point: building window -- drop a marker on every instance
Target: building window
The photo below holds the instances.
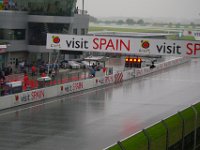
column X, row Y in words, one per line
column 12, row 34
column 82, row 31
column 48, row 7
column 75, row 31
column 37, row 33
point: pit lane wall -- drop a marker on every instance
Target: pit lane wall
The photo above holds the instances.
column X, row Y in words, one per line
column 160, row 66
column 18, row 99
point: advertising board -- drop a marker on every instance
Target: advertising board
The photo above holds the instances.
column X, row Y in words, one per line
column 196, row 34
column 3, row 46
column 123, row 45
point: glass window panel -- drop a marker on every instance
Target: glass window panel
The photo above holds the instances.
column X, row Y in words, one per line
column 12, row 34
column 48, row 7
column 38, row 31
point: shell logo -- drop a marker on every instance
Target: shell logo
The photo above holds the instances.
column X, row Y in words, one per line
column 56, row 39
column 145, row 44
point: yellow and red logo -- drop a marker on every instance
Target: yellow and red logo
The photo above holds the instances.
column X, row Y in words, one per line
column 145, row 44
column 56, row 39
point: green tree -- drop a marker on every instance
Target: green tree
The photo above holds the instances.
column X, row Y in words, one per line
column 120, row 22
column 108, row 22
column 140, row 21
column 130, row 21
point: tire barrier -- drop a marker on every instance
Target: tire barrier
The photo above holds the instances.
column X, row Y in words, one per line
column 178, row 132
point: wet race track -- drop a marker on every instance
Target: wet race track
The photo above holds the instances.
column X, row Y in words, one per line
column 97, row 118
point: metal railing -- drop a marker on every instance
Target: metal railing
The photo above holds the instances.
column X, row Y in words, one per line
column 34, row 83
column 178, row 132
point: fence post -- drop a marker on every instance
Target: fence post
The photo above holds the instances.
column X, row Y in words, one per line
column 43, row 82
column 183, row 130
column 68, row 78
column 120, row 145
column 148, row 138
column 167, row 134
column 79, row 76
column 195, row 126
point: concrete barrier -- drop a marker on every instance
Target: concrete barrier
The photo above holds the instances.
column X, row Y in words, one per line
column 63, row 89
column 173, row 62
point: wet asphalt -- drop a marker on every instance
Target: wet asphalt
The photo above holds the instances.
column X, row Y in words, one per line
column 96, row 118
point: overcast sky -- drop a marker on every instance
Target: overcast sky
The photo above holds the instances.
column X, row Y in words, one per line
column 142, row 8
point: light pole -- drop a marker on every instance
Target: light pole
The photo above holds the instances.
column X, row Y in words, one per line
column 83, row 7
column 3, row 48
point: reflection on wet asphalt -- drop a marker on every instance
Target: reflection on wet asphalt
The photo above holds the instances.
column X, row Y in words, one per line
column 97, row 118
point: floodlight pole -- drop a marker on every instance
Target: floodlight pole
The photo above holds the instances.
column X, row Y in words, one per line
column 83, row 7
column 48, row 69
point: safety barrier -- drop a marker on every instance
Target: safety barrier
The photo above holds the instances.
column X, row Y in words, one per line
column 178, row 132
column 160, row 66
column 63, row 85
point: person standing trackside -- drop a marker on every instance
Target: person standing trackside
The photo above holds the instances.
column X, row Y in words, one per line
column 16, row 63
column 33, row 70
column 43, row 74
column 26, row 80
column 2, row 82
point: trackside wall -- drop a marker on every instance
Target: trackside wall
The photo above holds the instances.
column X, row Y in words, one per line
column 63, row 89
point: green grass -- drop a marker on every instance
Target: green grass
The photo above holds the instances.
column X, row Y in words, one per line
column 136, row 142
column 188, row 38
column 197, row 107
column 174, row 124
column 157, row 135
column 189, row 117
column 116, row 29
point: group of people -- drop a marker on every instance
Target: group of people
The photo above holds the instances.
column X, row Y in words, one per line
column 27, row 70
column 95, row 68
column 33, row 73
column 42, row 70
column 3, row 73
